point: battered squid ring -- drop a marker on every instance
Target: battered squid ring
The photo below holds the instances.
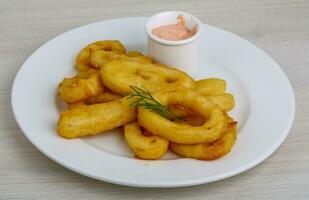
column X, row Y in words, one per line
column 76, row 104
column 210, row 86
column 190, row 117
column 225, row 101
column 214, row 90
column 208, row 151
column 80, row 87
column 211, row 130
column 104, row 97
column 145, row 147
column 120, row 75
column 83, row 58
column 134, row 54
column 100, row 57
column 87, row 120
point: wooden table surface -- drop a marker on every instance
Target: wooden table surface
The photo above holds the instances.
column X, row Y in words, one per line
column 281, row 28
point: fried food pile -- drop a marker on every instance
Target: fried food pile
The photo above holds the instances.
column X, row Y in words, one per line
column 159, row 107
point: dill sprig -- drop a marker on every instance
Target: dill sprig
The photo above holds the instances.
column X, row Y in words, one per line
column 143, row 98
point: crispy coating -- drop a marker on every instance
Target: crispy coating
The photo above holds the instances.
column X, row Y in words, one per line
column 120, row 75
column 208, row 151
column 76, row 104
column 106, row 96
column 214, row 90
column 211, row 130
column 80, row 87
column 191, row 118
column 100, row 57
column 83, row 58
column 225, row 101
column 134, row 54
column 94, row 119
column 142, row 59
column 145, row 147
column 210, row 86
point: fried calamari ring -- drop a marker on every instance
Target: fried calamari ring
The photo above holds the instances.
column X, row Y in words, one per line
column 188, row 115
column 138, row 56
column 211, row 130
column 80, row 87
column 106, row 96
column 134, row 54
column 100, row 57
column 120, row 75
column 94, row 119
column 145, row 147
column 223, row 101
column 208, row 151
column 214, row 90
column 76, row 104
column 83, row 58
column 210, row 86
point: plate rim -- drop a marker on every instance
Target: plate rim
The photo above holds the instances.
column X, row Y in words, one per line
column 203, row 180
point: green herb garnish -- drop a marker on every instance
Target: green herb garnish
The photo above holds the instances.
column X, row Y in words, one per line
column 143, row 98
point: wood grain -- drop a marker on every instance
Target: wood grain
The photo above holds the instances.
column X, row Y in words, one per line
column 279, row 27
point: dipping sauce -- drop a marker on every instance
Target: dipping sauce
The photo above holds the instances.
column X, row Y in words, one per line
column 177, row 31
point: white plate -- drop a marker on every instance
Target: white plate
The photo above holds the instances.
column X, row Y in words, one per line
column 264, row 108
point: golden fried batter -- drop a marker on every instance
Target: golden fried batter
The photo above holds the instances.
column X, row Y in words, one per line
column 80, row 87
column 94, row 119
column 83, row 58
column 145, row 147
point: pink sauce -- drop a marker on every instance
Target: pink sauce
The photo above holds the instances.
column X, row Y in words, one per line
column 177, row 31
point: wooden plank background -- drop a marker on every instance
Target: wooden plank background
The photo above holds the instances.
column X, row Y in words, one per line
column 281, row 28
